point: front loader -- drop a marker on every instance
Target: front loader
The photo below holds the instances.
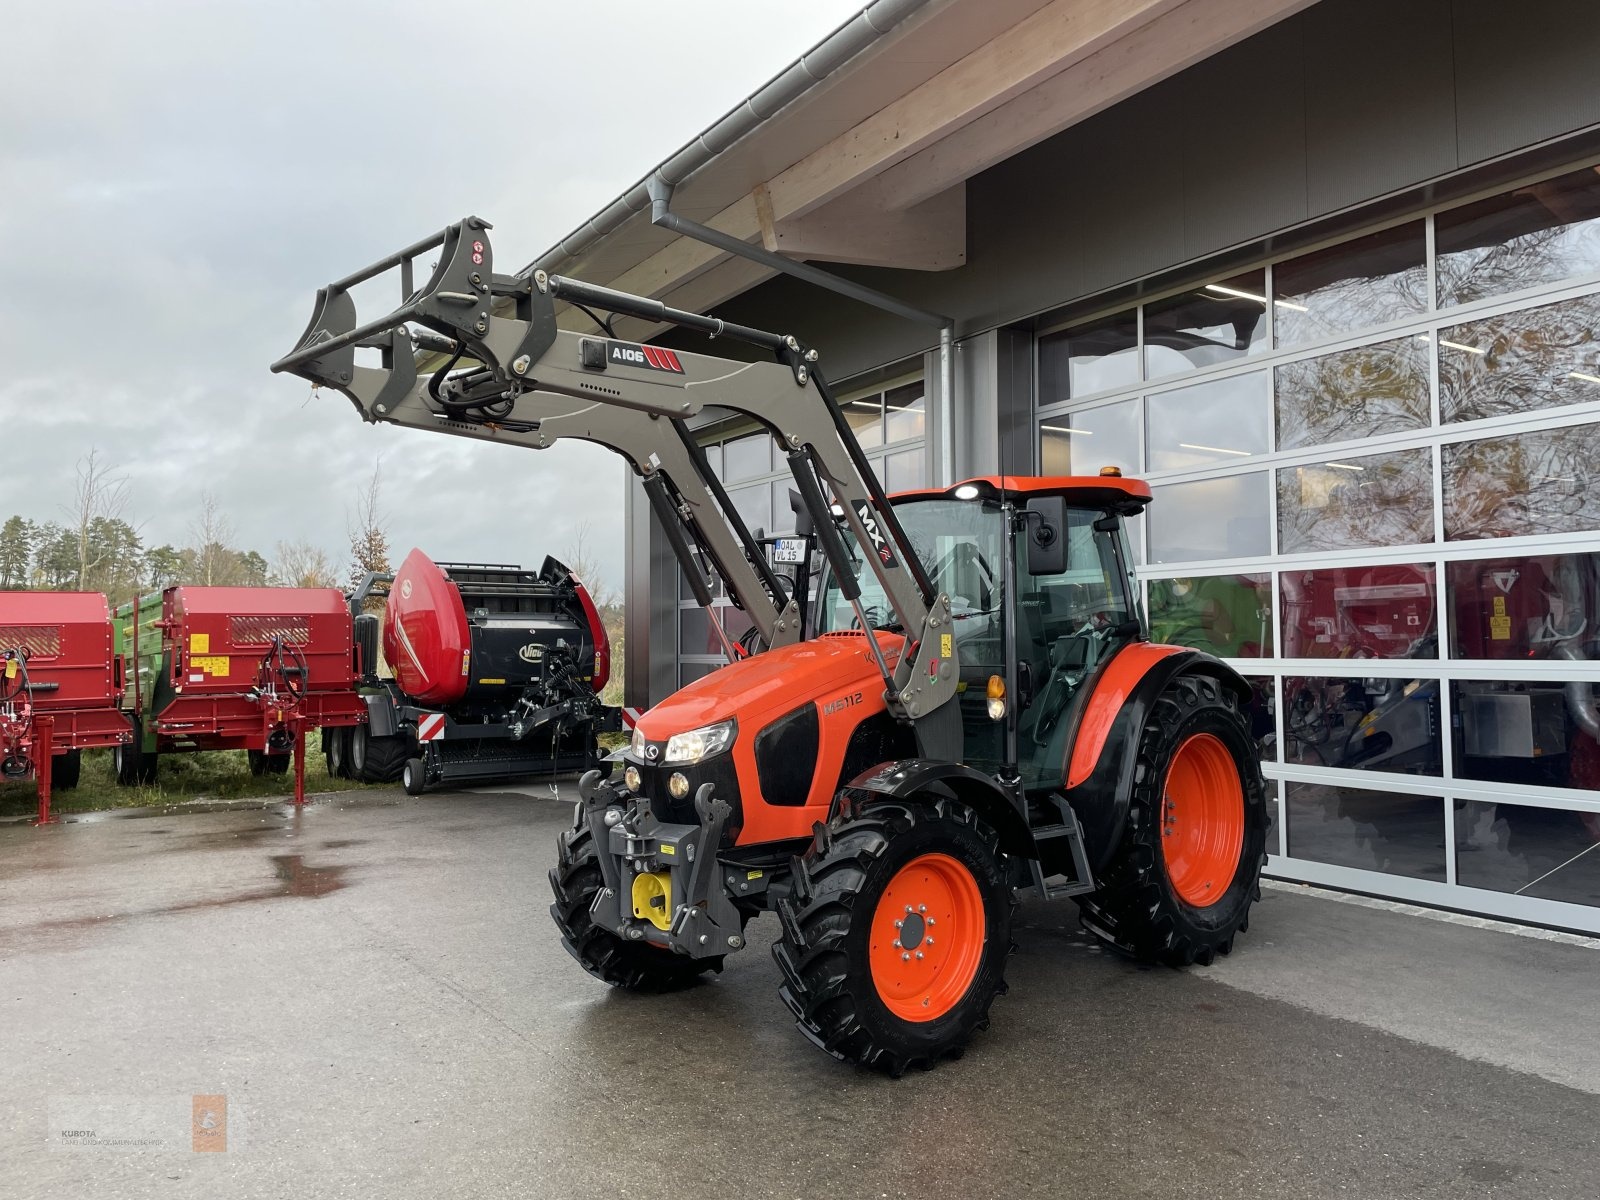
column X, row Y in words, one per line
column 975, row 707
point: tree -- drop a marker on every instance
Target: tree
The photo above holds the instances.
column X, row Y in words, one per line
column 99, row 494
column 163, row 567
column 55, row 557
column 579, row 559
column 208, row 559
column 300, row 564
column 369, row 544
column 114, row 553
column 16, row 551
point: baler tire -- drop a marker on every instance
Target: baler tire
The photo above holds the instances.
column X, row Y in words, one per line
column 65, row 770
column 829, row 949
column 359, row 737
column 386, row 758
column 632, row 966
column 414, row 777
column 1139, row 906
column 336, row 750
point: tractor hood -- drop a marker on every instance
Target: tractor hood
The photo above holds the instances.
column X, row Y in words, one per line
column 756, row 689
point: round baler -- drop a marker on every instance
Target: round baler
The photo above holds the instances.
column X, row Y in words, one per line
column 495, row 671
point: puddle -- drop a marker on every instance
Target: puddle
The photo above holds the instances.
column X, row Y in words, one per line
column 301, row 880
column 344, row 843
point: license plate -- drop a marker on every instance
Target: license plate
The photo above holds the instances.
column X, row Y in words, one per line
column 789, row 550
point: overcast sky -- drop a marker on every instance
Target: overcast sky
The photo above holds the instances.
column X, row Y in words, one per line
column 177, row 178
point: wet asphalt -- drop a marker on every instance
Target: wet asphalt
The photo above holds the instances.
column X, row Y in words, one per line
column 376, row 987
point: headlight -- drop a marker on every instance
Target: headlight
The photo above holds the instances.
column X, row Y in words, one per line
column 636, row 746
column 701, row 743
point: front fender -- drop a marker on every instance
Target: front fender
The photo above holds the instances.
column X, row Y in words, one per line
column 1105, row 747
column 909, row 777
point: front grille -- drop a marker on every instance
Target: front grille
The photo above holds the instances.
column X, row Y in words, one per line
column 717, row 770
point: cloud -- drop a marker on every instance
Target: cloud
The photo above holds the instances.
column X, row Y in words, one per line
column 169, row 214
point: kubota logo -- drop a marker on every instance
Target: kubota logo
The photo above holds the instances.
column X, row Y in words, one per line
column 874, row 535
column 533, row 652
column 653, row 358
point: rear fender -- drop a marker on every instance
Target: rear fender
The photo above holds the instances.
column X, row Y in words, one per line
column 1104, row 752
column 911, row 777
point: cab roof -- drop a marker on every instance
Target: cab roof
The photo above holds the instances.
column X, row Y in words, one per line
column 1087, row 491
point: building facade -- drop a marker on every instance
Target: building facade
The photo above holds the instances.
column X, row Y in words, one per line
column 1329, row 278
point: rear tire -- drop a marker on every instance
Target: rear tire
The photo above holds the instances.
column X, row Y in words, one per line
column 134, row 767
column 635, row 966
column 414, row 777
column 1180, row 885
column 385, row 757
column 65, row 770
column 860, row 966
column 336, row 750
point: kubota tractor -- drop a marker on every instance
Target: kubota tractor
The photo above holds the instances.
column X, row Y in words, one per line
column 975, row 707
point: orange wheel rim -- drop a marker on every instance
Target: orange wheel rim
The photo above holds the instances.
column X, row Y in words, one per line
column 928, row 935
column 1202, row 820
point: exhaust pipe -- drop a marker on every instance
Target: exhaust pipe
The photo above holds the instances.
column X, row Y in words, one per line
column 1580, row 695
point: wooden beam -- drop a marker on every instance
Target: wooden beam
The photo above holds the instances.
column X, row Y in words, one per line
column 1044, row 44
column 1194, row 31
column 857, row 228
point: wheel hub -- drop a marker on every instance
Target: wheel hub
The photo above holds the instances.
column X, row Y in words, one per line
column 920, row 976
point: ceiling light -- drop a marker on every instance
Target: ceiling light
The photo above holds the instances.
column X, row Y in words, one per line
column 1090, row 432
column 967, row 491
column 1243, row 295
column 1343, row 466
column 1459, row 346
column 1582, row 376
column 1216, row 449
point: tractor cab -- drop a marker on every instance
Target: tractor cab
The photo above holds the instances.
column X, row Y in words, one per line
column 1041, row 594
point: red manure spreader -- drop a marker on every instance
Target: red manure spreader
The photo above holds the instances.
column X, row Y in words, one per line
column 60, row 686
column 235, row 668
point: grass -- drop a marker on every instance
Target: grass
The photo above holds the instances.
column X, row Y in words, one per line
column 210, row 775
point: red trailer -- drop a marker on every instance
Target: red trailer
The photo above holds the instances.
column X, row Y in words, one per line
column 60, row 687
column 237, row 668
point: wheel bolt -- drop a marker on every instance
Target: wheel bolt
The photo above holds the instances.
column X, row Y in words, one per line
column 929, row 941
column 909, row 909
column 919, row 956
column 905, row 958
column 899, row 924
column 922, row 908
column 931, row 921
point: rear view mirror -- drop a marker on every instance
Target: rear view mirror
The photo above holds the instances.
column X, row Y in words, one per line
column 1047, row 535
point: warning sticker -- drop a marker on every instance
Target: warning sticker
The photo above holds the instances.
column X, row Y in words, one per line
column 216, row 664
column 944, row 645
column 199, row 643
column 1499, row 622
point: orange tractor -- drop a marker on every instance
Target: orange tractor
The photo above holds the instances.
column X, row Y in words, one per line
column 971, row 706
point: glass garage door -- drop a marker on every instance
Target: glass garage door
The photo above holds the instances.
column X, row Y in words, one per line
column 1376, row 470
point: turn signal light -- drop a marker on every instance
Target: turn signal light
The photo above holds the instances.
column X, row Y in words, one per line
column 996, row 693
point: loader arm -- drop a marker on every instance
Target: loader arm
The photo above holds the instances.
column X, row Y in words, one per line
column 511, row 374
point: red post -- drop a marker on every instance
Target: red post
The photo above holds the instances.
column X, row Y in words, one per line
column 44, row 729
column 299, row 764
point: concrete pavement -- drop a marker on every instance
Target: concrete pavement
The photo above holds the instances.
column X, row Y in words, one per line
column 376, row 988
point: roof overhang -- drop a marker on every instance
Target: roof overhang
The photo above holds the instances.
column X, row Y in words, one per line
column 866, row 158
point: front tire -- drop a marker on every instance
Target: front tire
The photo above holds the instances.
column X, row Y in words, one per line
column 65, row 770
column 1180, row 885
column 134, row 767
column 414, row 777
column 634, row 966
column 895, row 944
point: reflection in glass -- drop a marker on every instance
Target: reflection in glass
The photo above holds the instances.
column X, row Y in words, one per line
column 1264, row 732
column 1543, row 733
column 1210, row 518
column 754, row 504
column 903, row 412
column 1380, row 611
column 1351, row 394
column 1213, row 324
column 1357, row 284
column 747, row 457
column 735, row 621
column 1529, row 608
column 1537, row 233
column 688, row 672
column 1208, row 422
column 1520, row 361
column 1226, row 615
column 1547, row 853
column 1095, row 357
column 903, row 472
column 1369, row 724
column 783, row 506
column 1391, row 832
column 1371, row 500
column 1523, row 483
column 865, row 416
column 694, row 632
column 1080, row 443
